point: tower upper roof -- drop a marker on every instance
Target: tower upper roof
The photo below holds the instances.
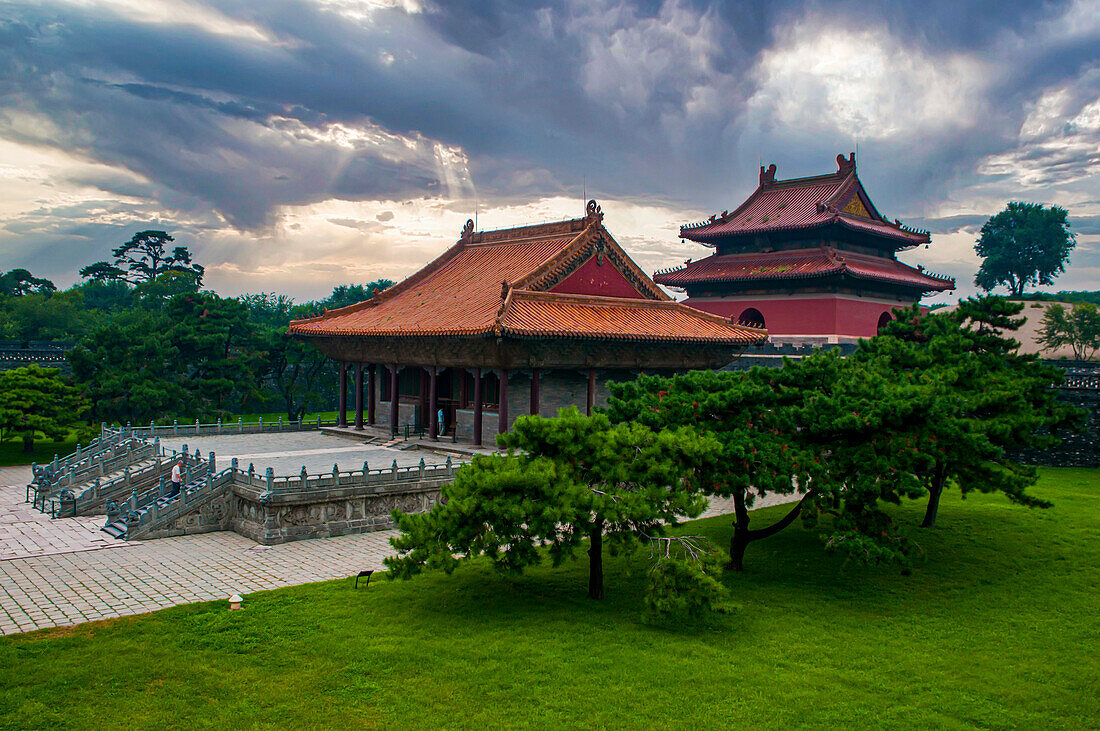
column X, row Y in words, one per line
column 835, row 199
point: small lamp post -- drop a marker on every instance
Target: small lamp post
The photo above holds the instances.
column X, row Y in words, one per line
column 235, row 602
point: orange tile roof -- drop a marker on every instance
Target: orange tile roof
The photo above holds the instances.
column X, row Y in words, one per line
column 492, row 282
column 537, row 314
column 802, row 203
column 800, row 264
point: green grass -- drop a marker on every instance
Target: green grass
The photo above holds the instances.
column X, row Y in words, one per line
column 998, row 627
column 11, row 450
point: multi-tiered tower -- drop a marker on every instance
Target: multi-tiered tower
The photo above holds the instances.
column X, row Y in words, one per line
column 811, row 259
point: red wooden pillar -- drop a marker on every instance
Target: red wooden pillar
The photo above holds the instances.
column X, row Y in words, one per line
column 502, row 414
column 343, row 407
column 395, row 399
column 591, row 390
column 359, row 396
column 535, row 391
column 477, row 406
column 433, row 423
column 370, row 396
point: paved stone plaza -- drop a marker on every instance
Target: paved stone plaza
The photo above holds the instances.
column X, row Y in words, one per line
column 288, row 452
column 65, row 571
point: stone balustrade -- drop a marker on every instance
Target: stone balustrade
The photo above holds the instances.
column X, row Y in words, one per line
column 276, row 509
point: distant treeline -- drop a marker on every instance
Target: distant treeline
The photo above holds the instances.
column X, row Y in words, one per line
column 1064, row 296
column 152, row 343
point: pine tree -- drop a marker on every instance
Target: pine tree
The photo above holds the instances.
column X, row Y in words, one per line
column 563, row 481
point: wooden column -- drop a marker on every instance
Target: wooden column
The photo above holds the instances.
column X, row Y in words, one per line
column 423, row 394
column 477, row 406
column 502, row 414
column 343, row 407
column 395, row 399
column 535, row 391
column 591, row 390
column 433, row 423
column 371, row 386
column 359, row 396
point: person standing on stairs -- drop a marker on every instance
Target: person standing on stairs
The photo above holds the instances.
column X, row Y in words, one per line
column 177, row 478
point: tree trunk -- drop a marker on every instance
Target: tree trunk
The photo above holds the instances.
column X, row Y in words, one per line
column 28, row 437
column 595, row 562
column 742, row 536
column 934, row 492
column 740, row 539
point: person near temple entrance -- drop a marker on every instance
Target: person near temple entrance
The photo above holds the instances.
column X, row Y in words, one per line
column 442, row 423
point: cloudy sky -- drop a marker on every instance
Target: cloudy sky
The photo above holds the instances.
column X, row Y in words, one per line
column 297, row 144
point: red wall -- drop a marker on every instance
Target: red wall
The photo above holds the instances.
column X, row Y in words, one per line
column 598, row 279
column 838, row 316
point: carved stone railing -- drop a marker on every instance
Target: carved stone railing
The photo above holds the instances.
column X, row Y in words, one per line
column 219, row 427
column 94, row 499
column 110, row 454
column 276, row 509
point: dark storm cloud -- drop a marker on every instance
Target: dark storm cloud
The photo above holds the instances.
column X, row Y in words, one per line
column 293, row 102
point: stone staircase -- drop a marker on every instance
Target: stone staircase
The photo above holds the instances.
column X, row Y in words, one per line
column 147, row 510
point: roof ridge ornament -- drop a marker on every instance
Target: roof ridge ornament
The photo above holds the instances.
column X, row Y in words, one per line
column 845, row 166
column 767, row 177
column 468, row 230
column 593, row 212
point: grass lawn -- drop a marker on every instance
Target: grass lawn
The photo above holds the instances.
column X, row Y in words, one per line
column 11, row 450
column 998, row 627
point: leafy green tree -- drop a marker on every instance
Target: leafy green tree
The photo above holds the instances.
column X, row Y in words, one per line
column 196, row 356
column 156, row 293
column 350, row 294
column 107, row 296
column 825, row 429
column 299, row 374
column 36, row 399
column 19, row 282
column 217, row 355
column 988, row 399
column 562, row 481
column 1079, row 328
column 128, row 369
column 144, row 258
column 46, row 316
column 1024, row 244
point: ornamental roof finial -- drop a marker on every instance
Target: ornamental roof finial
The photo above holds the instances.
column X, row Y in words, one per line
column 593, row 211
column 845, row 165
column 767, row 177
column 468, row 230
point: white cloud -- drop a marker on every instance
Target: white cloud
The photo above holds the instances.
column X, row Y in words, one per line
column 176, row 12
column 1059, row 140
column 863, row 82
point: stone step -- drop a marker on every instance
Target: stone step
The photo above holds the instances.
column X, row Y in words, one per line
column 116, row 529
